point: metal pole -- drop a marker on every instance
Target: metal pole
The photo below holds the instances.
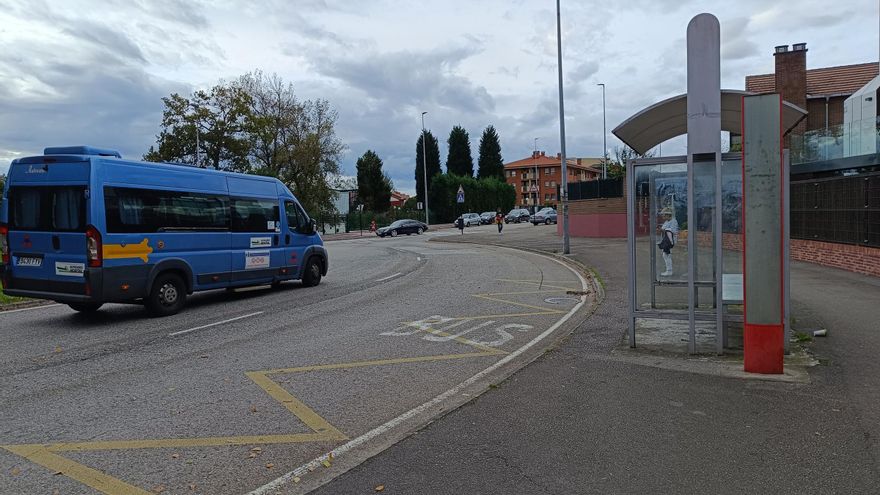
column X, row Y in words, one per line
column 604, row 137
column 566, row 248
column 535, row 165
column 425, row 169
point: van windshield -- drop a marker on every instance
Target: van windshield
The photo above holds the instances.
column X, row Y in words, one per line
column 47, row 209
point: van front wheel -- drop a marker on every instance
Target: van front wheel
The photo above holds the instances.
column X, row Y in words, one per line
column 312, row 274
column 167, row 297
column 85, row 307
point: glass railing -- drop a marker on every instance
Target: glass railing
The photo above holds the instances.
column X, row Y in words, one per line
column 838, row 141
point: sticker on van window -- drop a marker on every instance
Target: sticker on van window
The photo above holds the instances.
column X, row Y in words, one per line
column 261, row 242
column 69, row 269
column 256, row 259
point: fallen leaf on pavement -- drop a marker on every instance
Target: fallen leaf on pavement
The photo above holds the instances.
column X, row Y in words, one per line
column 57, row 349
column 253, row 408
column 192, row 487
column 326, row 463
column 175, row 456
column 15, row 471
column 269, row 465
column 296, row 479
column 158, row 489
column 380, row 488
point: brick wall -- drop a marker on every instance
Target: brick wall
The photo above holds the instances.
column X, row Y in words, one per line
column 594, row 206
column 858, row 259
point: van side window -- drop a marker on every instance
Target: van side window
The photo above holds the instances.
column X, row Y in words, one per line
column 130, row 210
column 297, row 220
column 254, row 215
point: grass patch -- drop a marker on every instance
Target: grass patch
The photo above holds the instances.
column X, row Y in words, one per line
column 801, row 337
column 4, row 299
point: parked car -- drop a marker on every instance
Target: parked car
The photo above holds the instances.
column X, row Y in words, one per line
column 545, row 216
column 471, row 219
column 407, row 227
column 517, row 215
column 487, row 217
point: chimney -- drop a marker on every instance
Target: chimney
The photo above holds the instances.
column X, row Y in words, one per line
column 578, row 161
column 791, row 78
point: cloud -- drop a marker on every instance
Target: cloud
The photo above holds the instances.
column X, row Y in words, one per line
column 407, row 78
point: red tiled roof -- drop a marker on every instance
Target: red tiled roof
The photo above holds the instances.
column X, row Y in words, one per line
column 544, row 160
column 843, row 79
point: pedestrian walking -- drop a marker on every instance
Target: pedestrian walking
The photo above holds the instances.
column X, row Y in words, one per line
column 669, row 236
column 499, row 221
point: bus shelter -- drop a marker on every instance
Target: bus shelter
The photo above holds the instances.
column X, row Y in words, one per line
column 703, row 196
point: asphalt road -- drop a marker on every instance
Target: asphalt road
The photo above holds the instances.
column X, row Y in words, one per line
column 241, row 389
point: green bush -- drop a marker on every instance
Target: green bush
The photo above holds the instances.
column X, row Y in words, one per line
column 489, row 194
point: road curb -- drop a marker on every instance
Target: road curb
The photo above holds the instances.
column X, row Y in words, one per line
column 30, row 303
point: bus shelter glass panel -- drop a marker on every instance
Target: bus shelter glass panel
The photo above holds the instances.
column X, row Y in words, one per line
column 660, row 197
column 705, row 263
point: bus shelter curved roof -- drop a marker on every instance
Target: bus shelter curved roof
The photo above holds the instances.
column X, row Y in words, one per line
column 668, row 119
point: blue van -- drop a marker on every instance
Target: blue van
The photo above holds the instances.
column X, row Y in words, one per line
column 81, row 226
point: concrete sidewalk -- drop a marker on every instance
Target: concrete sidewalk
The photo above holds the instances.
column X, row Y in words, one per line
column 581, row 420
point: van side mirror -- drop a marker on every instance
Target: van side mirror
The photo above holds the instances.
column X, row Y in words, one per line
column 313, row 226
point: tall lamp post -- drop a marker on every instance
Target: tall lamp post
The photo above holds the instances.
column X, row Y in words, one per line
column 425, row 169
column 604, row 136
column 537, row 175
column 566, row 248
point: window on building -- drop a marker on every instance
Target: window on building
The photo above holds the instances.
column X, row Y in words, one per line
column 546, row 197
column 548, row 170
column 513, row 173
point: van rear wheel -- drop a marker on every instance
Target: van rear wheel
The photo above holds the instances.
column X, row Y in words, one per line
column 167, row 296
column 85, row 307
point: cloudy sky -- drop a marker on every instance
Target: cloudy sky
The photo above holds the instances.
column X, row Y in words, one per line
column 93, row 72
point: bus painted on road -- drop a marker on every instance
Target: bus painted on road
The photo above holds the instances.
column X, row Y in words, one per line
column 82, row 226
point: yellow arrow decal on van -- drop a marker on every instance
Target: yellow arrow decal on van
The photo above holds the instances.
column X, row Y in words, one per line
column 119, row 251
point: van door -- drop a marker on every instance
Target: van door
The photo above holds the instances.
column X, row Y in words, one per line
column 47, row 226
column 257, row 254
column 298, row 236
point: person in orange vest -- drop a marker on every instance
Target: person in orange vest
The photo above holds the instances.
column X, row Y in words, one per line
column 373, row 225
column 499, row 220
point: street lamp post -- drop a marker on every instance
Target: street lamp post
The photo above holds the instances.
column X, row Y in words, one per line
column 566, row 248
column 425, row 169
column 604, row 136
column 196, row 125
column 535, row 178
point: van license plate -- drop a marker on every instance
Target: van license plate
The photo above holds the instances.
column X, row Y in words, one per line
column 29, row 261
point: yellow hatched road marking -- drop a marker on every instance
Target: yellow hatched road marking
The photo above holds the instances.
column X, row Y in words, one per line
column 381, row 362
column 163, row 443
column 84, row 474
column 294, row 405
column 46, row 455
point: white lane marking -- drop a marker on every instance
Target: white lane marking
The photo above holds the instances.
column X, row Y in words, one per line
column 188, row 330
column 44, row 306
column 388, row 277
column 379, row 430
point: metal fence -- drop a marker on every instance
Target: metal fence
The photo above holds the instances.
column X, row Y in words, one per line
column 594, row 189
column 837, row 209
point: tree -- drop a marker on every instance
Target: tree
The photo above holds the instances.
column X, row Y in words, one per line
column 219, row 117
column 489, row 162
column 256, row 124
column 459, row 160
column 293, row 140
column 2, row 182
column 622, row 155
column 374, row 186
column 433, row 150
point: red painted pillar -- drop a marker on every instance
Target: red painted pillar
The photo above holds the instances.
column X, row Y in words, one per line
column 763, row 231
